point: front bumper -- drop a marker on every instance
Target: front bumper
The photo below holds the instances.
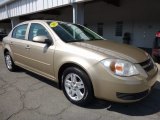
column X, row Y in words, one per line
column 132, row 96
column 122, row 89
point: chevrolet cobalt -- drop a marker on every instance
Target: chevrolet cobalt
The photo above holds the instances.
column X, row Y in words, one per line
column 84, row 64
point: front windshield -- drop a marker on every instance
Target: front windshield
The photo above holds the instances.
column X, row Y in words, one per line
column 73, row 33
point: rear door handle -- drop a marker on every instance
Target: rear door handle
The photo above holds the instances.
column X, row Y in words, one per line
column 27, row 47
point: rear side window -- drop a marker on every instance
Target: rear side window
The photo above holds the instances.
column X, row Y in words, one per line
column 20, row 32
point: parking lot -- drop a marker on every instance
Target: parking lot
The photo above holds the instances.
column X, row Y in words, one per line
column 26, row 96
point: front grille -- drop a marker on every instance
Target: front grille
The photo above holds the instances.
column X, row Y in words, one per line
column 147, row 65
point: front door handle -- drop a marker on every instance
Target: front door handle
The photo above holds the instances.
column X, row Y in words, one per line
column 27, row 47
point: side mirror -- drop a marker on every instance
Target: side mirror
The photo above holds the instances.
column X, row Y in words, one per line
column 42, row 39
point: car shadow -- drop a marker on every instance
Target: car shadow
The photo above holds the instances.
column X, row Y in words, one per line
column 41, row 78
column 148, row 106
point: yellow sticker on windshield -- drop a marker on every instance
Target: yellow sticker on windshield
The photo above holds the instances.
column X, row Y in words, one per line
column 53, row 24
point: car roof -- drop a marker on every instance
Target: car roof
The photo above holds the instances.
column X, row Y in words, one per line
column 30, row 21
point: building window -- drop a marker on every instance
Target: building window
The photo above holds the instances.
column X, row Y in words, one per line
column 100, row 29
column 119, row 28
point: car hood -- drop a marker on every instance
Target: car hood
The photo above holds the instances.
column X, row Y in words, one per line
column 114, row 49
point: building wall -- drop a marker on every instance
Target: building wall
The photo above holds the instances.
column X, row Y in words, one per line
column 5, row 27
column 140, row 18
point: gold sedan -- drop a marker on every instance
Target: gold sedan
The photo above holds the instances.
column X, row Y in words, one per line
column 84, row 64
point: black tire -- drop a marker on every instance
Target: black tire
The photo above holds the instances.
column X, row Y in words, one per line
column 155, row 59
column 12, row 66
column 88, row 92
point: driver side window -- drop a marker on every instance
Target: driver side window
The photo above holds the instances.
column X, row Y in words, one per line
column 37, row 30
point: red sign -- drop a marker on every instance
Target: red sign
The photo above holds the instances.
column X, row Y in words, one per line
column 158, row 34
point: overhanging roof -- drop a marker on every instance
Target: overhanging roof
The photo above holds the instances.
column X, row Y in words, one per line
column 3, row 2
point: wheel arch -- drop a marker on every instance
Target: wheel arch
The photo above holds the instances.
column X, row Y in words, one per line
column 5, row 50
column 8, row 49
column 67, row 65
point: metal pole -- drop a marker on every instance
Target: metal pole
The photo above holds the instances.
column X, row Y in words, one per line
column 74, row 12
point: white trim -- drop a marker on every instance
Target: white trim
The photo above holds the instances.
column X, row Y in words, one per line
column 4, row 2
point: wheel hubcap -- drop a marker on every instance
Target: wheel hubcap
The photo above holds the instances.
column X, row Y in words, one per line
column 8, row 61
column 74, row 87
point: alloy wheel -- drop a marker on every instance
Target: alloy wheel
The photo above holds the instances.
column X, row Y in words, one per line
column 8, row 61
column 74, row 86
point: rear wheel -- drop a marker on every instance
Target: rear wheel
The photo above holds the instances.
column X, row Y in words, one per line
column 77, row 86
column 9, row 62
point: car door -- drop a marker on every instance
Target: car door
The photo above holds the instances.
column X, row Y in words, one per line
column 40, row 54
column 18, row 44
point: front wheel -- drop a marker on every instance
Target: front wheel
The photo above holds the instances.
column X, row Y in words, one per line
column 77, row 86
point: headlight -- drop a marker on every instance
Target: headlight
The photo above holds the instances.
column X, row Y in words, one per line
column 120, row 67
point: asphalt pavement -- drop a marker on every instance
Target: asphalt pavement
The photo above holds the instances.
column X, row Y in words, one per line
column 27, row 96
